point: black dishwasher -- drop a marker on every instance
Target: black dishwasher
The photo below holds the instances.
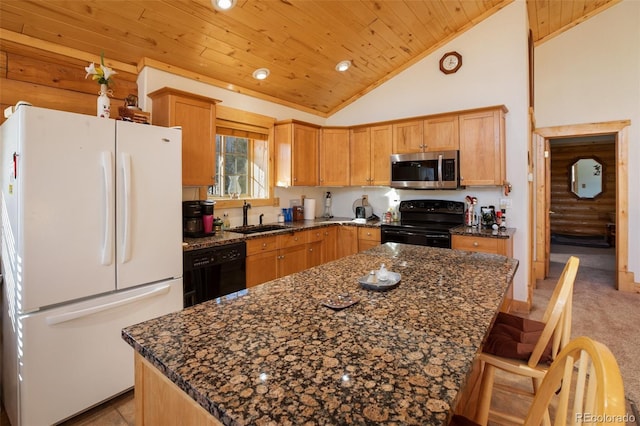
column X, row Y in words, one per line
column 213, row 272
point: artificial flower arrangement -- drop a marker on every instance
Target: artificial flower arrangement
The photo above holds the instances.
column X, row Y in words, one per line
column 102, row 73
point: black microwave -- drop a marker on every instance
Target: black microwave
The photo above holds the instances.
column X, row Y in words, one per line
column 425, row 170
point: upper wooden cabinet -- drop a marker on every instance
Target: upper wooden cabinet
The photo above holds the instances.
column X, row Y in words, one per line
column 334, row 157
column 370, row 151
column 407, row 137
column 482, row 147
column 296, row 148
column 197, row 117
column 441, row 134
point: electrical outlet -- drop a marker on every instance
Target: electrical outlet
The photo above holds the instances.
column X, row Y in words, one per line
column 505, row 203
column 276, row 201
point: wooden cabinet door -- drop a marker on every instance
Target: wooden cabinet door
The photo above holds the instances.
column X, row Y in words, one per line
column 334, row 157
column 368, row 238
column 261, row 267
column 441, row 134
column 283, row 133
column 347, row 241
column 381, row 144
column 482, row 150
column 360, row 156
column 305, row 155
column 292, row 259
column 407, row 137
column 329, row 246
column 314, row 253
column 196, row 115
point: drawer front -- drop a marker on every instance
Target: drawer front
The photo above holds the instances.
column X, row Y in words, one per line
column 315, row 235
column 292, row 239
column 479, row 244
column 259, row 245
column 371, row 234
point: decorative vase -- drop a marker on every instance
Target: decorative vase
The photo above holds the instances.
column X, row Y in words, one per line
column 234, row 186
column 104, row 103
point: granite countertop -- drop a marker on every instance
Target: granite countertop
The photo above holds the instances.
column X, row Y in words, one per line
column 482, row 232
column 273, row 354
column 226, row 237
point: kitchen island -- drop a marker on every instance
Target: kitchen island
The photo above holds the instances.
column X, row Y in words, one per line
column 275, row 354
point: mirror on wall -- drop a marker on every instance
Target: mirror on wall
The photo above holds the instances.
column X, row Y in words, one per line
column 585, row 176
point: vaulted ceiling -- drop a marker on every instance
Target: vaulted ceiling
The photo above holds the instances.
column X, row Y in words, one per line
column 299, row 41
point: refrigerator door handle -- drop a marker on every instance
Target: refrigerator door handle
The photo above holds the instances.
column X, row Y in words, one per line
column 126, row 226
column 107, row 240
column 81, row 313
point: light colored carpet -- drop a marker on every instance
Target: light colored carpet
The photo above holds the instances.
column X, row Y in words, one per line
column 602, row 313
column 590, row 257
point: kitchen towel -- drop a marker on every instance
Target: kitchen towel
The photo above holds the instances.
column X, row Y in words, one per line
column 309, row 209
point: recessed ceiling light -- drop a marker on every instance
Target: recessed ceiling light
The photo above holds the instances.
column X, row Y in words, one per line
column 223, row 5
column 343, row 65
column 261, row 73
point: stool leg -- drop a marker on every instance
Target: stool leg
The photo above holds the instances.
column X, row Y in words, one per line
column 484, row 398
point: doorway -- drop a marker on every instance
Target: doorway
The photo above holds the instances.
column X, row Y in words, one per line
column 542, row 197
column 583, row 201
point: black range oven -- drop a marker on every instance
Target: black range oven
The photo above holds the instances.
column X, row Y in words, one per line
column 424, row 223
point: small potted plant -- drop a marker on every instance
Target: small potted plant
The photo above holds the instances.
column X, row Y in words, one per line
column 217, row 224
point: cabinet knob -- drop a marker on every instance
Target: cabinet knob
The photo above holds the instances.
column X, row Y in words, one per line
column 295, row 179
column 295, row 238
column 368, row 234
column 475, row 244
column 264, row 245
column 310, row 249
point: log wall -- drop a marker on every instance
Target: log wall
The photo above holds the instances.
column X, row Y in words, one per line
column 573, row 215
column 51, row 80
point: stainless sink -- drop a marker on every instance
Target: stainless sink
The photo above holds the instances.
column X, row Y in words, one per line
column 254, row 229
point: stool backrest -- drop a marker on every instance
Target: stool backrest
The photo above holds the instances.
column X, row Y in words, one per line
column 557, row 316
column 586, row 381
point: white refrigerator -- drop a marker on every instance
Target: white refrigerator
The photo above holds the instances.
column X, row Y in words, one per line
column 91, row 243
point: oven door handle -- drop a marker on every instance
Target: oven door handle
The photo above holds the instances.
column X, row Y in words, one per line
column 416, row 234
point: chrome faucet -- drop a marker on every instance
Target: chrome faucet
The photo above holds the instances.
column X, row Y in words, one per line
column 245, row 210
column 261, row 216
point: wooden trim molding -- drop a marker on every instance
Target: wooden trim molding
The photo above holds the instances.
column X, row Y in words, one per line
column 62, row 50
column 625, row 280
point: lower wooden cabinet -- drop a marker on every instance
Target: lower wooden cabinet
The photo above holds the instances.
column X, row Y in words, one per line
column 261, row 267
column 276, row 256
column 262, row 260
column 329, row 244
column 347, row 241
column 503, row 246
column 292, row 259
column 368, row 238
column 161, row 402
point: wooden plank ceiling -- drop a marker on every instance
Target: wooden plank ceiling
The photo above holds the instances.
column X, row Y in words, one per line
column 300, row 41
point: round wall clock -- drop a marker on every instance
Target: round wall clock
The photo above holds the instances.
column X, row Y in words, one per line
column 450, row 62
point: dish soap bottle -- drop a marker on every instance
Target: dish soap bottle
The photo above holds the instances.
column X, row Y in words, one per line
column 383, row 274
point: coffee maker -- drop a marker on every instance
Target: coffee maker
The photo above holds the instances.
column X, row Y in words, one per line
column 192, row 219
column 197, row 218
